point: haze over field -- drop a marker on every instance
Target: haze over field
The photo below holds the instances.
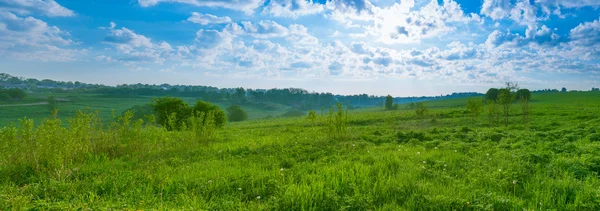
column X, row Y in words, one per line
column 403, row 48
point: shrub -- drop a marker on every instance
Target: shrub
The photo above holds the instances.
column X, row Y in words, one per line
column 421, row 109
column 207, row 109
column 312, row 116
column 170, row 112
column 140, row 111
column 5, row 97
column 235, row 113
column 337, row 122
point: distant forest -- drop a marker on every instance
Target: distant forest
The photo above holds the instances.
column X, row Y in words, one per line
column 294, row 97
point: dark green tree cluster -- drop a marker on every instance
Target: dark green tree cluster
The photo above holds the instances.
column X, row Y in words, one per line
column 12, row 94
column 500, row 101
column 235, row 113
column 173, row 113
column 389, row 103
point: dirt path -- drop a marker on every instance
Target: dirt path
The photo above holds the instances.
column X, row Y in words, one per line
column 27, row 104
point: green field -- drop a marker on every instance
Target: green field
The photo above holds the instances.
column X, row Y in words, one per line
column 107, row 106
column 383, row 160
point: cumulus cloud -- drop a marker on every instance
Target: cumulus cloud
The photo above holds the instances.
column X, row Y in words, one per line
column 292, row 8
column 134, row 48
column 264, row 29
column 247, row 6
column 30, row 38
column 30, row 7
column 405, row 23
column 205, row 19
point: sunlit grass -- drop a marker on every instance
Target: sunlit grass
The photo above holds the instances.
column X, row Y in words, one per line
column 386, row 160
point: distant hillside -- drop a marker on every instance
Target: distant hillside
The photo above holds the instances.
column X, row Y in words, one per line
column 293, row 97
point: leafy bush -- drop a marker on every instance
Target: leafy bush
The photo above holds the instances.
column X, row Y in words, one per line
column 235, row 113
column 337, row 122
column 170, row 112
column 208, row 109
column 5, row 97
column 140, row 111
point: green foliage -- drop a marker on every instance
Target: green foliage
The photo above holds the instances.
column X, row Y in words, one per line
column 13, row 94
column 420, row 109
column 337, row 122
column 312, row 116
column 171, row 113
column 474, row 106
column 523, row 94
column 506, row 96
column 213, row 112
column 491, row 94
column 52, row 103
column 294, row 113
column 493, row 112
column 389, row 102
column 140, row 111
column 386, row 161
column 235, row 113
column 4, row 97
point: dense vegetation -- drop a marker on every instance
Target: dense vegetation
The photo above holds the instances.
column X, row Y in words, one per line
column 437, row 155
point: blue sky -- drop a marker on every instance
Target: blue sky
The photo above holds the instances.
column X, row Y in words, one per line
column 398, row 47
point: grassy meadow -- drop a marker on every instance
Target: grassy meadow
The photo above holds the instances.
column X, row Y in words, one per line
column 367, row 159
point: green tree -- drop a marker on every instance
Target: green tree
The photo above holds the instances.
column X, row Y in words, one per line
column 216, row 113
column 312, row 116
column 235, row 113
column 16, row 94
column 523, row 94
column 389, row 102
column 4, row 97
column 421, row 109
column 171, row 113
column 474, row 106
column 491, row 94
column 563, row 89
column 492, row 111
column 52, row 103
column 506, row 98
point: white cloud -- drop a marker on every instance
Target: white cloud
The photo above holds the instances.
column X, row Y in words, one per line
column 496, row 9
column 403, row 23
column 264, row 29
column 29, row 38
column 135, row 48
column 247, row 6
column 205, row 19
column 292, row 8
column 30, row 7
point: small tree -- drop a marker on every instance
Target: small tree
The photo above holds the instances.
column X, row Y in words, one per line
column 563, row 89
column 474, row 106
column 420, row 109
column 235, row 113
column 52, row 104
column 389, row 102
column 492, row 111
column 312, row 116
column 506, row 98
column 524, row 96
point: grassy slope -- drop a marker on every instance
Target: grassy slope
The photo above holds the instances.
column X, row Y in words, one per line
column 103, row 104
column 452, row 162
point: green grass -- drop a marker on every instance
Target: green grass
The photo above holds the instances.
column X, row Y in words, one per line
column 104, row 104
column 388, row 160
